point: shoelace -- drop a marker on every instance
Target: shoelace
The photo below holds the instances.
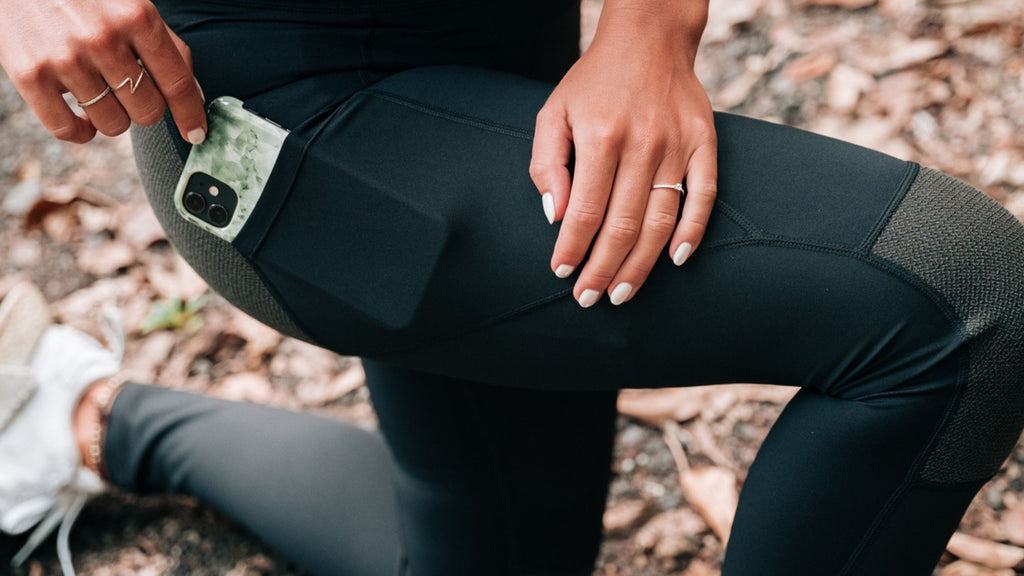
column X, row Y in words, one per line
column 66, row 508
column 84, row 485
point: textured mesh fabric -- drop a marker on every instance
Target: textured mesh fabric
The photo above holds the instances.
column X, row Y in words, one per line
column 970, row 250
column 217, row 261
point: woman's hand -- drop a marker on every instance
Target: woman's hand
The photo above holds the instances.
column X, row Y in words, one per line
column 634, row 115
column 50, row 47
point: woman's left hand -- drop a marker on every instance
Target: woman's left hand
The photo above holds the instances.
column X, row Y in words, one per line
column 633, row 113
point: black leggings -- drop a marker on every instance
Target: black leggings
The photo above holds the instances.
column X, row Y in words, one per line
column 402, row 226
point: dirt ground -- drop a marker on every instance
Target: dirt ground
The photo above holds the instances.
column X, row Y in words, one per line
column 935, row 81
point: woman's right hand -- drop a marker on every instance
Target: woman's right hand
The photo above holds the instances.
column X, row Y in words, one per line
column 51, row 47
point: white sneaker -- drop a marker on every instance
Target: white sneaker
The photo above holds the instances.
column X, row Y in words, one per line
column 42, row 480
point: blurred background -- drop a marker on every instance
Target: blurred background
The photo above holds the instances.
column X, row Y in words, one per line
column 935, row 81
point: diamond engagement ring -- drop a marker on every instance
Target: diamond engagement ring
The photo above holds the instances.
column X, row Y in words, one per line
column 677, row 187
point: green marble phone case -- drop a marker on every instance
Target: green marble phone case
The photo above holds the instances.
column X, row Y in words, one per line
column 240, row 150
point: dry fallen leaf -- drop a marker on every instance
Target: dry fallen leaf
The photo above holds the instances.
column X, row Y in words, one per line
column 810, row 66
column 711, row 490
column 106, row 258
column 659, row 406
column 622, row 517
column 984, row 552
column 699, row 567
column 847, row 4
column 313, row 393
column 672, row 523
column 1013, row 524
column 177, row 280
column 243, row 387
column 965, row 568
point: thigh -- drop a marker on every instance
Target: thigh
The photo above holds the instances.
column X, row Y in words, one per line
column 495, row 480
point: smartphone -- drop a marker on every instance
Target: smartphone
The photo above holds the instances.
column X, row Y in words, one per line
column 224, row 176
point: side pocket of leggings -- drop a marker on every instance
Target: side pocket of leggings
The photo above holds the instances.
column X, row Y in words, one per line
column 326, row 238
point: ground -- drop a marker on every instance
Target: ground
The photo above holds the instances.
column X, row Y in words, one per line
column 937, row 81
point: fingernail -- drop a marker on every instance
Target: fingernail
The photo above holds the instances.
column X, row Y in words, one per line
column 589, row 298
column 196, row 136
column 549, row 208
column 564, row 271
column 682, row 253
column 201, row 95
column 621, row 292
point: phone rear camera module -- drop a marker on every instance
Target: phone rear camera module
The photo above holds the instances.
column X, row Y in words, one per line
column 218, row 215
column 195, row 203
column 209, row 200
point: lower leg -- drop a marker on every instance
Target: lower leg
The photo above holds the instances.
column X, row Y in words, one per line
column 316, row 489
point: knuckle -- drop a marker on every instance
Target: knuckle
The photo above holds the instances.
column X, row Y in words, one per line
column 65, row 64
column 588, row 215
column 178, row 87
column 116, row 128
column 707, row 189
column 29, row 75
column 545, row 116
column 151, row 115
column 696, row 227
column 539, row 170
column 601, row 275
column 67, row 133
column 642, row 267
column 623, row 229
column 605, row 137
column 661, row 223
column 135, row 14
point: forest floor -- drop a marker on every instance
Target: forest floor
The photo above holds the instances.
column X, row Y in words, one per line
column 940, row 82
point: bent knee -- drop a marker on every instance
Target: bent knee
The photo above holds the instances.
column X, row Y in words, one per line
column 970, row 251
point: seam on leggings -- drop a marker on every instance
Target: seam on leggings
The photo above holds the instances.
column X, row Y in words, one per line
column 738, row 218
column 909, row 176
column 914, row 470
column 446, row 114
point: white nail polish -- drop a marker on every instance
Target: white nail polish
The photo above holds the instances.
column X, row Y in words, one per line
column 682, row 253
column 196, row 136
column 589, row 298
column 621, row 292
column 549, row 207
column 564, row 271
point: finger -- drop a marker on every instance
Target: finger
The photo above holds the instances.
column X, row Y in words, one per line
column 46, row 98
column 702, row 188
column 133, row 91
column 621, row 227
column 186, row 56
column 549, row 162
column 596, row 161
column 659, row 221
column 173, row 77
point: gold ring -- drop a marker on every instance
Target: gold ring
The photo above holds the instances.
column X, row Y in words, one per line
column 92, row 101
column 133, row 85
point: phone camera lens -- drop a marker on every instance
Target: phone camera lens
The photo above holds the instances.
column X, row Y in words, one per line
column 194, row 202
column 218, row 214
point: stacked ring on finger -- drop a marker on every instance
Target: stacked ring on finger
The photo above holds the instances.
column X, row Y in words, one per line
column 133, row 85
column 677, row 187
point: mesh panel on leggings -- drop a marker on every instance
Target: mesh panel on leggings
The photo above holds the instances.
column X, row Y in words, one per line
column 971, row 250
column 217, row 261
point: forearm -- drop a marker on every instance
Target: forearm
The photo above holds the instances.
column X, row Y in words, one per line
column 671, row 27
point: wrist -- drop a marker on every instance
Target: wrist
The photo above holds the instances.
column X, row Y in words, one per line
column 673, row 27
